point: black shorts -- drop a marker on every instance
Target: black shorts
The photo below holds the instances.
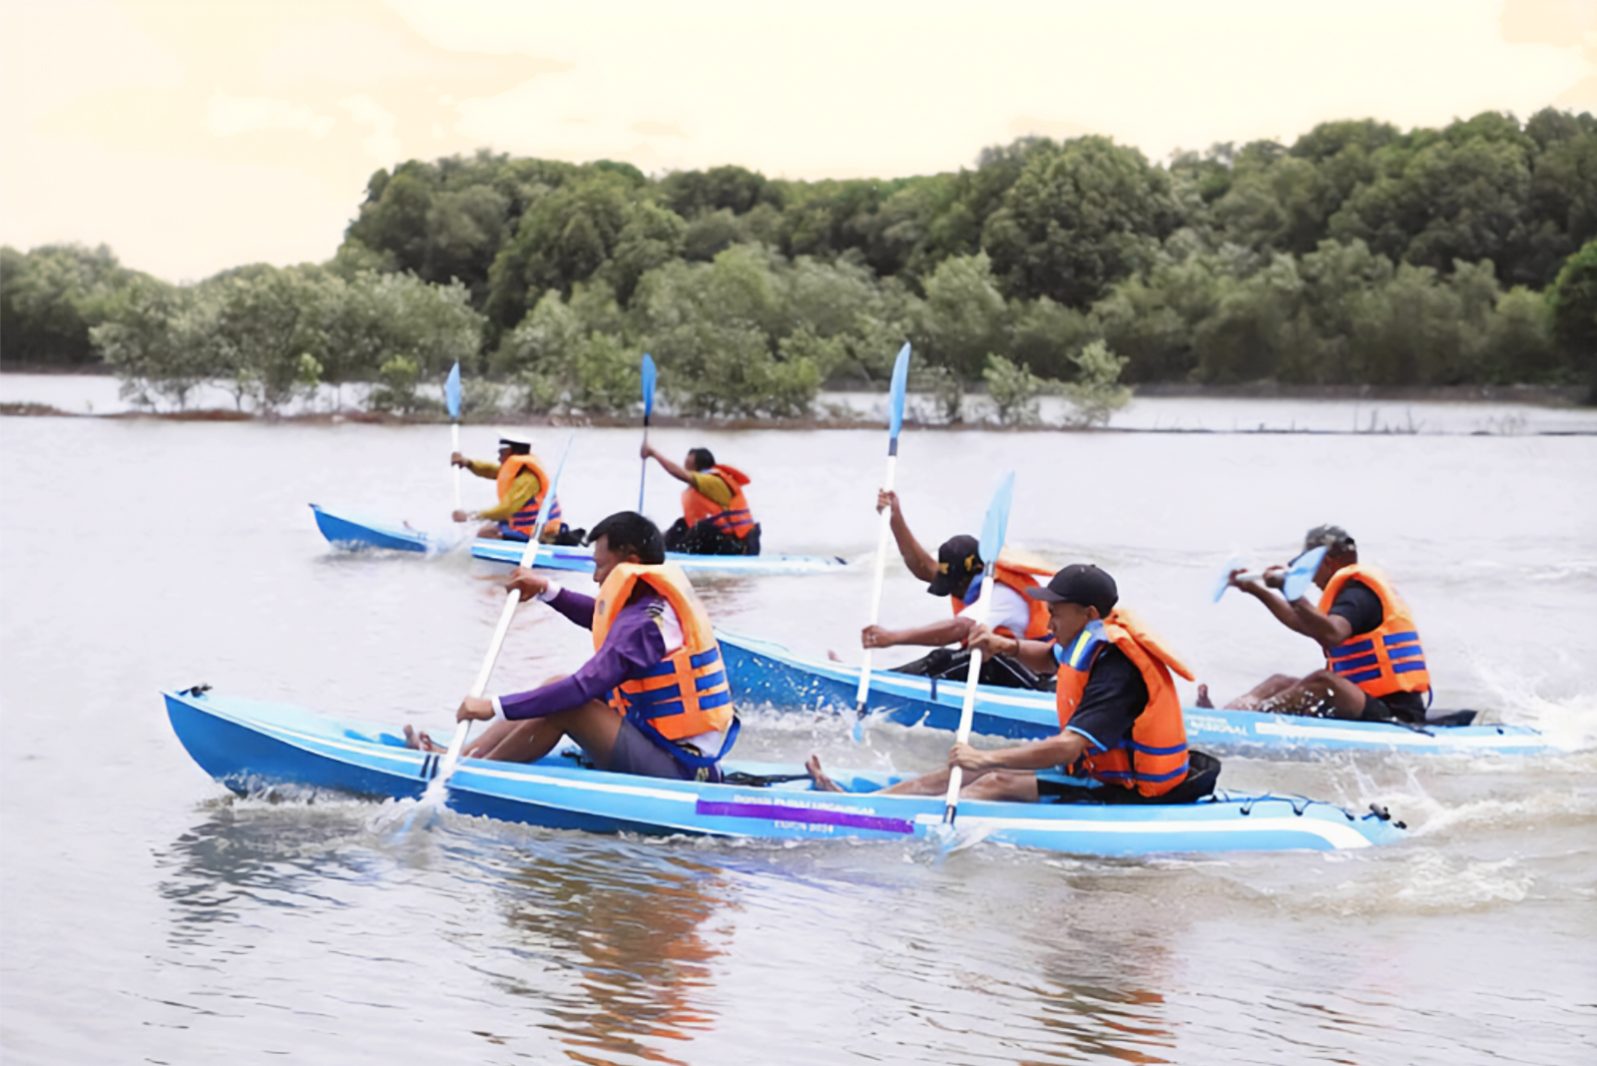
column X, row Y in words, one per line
column 636, row 753
column 1203, row 773
column 1398, row 707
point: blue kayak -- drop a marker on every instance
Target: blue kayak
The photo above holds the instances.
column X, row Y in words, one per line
column 355, row 534
column 361, row 534
column 763, row 672
column 249, row 746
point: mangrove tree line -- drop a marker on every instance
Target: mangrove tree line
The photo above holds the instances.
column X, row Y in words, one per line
column 1359, row 254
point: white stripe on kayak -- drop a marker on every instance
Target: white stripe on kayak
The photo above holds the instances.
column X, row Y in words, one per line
column 534, row 778
column 1341, row 837
column 1399, row 737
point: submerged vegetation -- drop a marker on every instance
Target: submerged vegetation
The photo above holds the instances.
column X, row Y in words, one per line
column 1360, row 254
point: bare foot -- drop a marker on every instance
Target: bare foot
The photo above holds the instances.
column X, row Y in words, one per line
column 1203, row 697
column 822, row 782
column 419, row 741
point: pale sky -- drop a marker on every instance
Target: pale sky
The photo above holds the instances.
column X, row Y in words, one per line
column 195, row 135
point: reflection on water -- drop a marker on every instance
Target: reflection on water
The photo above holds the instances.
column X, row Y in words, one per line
column 256, row 853
column 644, row 954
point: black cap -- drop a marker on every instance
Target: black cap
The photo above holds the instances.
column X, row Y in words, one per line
column 959, row 558
column 1080, row 583
column 1333, row 537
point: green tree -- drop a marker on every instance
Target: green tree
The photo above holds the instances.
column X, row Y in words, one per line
column 1573, row 297
column 1014, row 391
column 1077, row 220
column 564, row 237
column 1096, row 393
column 709, row 235
column 965, row 315
column 1047, row 336
column 51, row 297
column 146, row 343
column 1519, row 342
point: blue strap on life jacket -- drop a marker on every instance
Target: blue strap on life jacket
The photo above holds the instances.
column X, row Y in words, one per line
column 694, row 760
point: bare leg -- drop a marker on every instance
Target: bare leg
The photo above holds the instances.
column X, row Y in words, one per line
column 480, row 745
column 1254, row 699
column 1017, row 786
column 817, row 775
column 593, row 726
column 1321, row 693
column 524, row 741
column 1004, row 786
column 489, row 530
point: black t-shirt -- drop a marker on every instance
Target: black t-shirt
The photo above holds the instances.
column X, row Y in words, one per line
column 1359, row 604
column 1114, row 696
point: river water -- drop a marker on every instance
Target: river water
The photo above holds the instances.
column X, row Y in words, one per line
column 148, row 916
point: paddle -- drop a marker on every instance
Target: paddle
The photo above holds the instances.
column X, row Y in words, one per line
column 457, row 743
column 895, row 422
column 452, row 399
column 993, row 531
column 648, row 409
column 1299, row 575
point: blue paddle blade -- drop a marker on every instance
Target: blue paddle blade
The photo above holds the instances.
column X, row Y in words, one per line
column 895, row 401
column 996, row 526
column 452, row 393
column 648, row 384
column 1300, row 575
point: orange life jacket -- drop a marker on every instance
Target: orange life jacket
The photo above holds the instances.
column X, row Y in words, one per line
column 687, row 693
column 1387, row 659
column 526, row 518
column 1153, row 760
column 1020, row 578
column 734, row 519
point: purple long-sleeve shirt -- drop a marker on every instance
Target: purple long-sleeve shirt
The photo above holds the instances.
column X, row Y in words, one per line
column 633, row 646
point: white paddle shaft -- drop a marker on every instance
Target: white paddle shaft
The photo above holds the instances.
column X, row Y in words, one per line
column 643, row 474
column 876, row 583
column 967, row 710
column 454, row 439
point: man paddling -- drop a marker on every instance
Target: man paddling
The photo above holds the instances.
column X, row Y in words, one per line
column 653, row 700
column 1121, row 738
column 956, row 573
column 716, row 519
column 520, row 480
column 1374, row 664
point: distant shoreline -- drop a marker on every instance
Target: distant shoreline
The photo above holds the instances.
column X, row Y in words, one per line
column 1536, row 395
column 356, row 417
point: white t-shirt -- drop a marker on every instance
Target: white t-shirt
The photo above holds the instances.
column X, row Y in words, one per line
column 1009, row 610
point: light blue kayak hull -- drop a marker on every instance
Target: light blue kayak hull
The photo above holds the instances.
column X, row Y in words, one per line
column 581, row 560
column 249, row 746
column 357, row 534
column 763, row 672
